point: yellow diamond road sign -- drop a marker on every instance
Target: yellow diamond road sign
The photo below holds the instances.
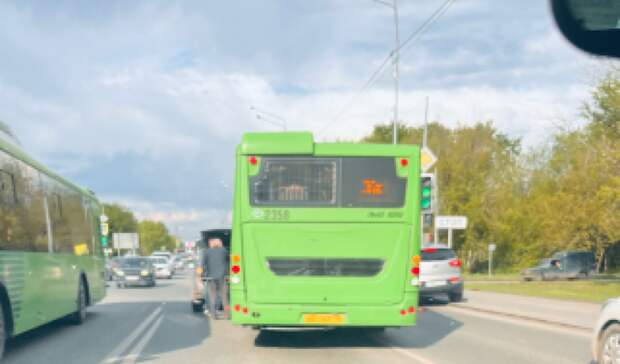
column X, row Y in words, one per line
column 427, row 159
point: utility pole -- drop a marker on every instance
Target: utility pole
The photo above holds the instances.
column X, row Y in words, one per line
column 396, row 70
column 425, row 136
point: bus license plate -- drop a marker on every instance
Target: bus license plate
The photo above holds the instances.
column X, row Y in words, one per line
column 323, row 318
column 132, row 278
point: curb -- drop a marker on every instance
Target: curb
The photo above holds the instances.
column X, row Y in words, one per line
column 522, row 317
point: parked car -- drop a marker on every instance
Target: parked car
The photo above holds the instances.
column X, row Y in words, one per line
column 563, row 265
column 135, row 271
column 606, row 336
column 440, row 273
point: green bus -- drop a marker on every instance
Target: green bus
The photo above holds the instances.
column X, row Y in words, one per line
column 324, row 234
column 51, row 262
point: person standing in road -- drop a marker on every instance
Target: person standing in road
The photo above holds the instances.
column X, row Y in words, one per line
column 215, row 262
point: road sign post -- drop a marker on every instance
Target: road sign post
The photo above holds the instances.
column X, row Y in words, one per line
column 491, row 250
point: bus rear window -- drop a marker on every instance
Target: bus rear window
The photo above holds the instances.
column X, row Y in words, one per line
column 328, row 182
column 437, row 254
column 296, row 182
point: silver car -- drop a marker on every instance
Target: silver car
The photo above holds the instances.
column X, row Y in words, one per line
column 606, row 337
column 440, row 273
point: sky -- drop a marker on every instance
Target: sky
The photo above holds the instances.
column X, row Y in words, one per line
column 144, row 101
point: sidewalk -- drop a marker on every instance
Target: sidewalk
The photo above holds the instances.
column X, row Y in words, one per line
column 577, row 314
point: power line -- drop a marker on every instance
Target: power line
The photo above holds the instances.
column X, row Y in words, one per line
column 380, row 70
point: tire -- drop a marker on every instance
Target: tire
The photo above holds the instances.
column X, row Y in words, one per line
column 79, row 316
column 609, row 344
column 197, row 307
column 455, row 296
column 3, row 332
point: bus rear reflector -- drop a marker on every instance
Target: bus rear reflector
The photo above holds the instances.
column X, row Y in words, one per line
column 235, row 269
column 403, row 312
column 455, row 263
column 415, row 271
column 245, row 310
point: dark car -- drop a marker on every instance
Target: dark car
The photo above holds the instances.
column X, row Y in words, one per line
column 135, row 271
column 563, row 265
column 535, row 273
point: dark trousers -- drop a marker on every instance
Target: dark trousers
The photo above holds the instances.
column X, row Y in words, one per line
column 217, row 287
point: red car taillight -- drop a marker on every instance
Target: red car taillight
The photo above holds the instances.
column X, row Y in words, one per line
column 456, row 263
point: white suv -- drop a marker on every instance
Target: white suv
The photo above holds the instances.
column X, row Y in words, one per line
column 440, row 273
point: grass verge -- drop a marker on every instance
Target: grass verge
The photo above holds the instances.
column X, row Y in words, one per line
column 587, row 291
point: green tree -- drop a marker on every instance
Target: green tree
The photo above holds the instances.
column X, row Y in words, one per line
column 154, row 236
column 120, row 219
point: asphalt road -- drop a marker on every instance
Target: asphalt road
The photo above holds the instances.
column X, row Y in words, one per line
column 156, row 325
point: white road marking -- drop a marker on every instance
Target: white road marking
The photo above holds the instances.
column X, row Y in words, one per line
column 548, row 326
column 132, row 357
column 115, row 355
column 417, row 357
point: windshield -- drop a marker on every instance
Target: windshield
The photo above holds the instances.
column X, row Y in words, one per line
column 135, row 263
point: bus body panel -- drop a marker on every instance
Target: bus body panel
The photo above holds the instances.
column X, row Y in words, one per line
column 303, row 283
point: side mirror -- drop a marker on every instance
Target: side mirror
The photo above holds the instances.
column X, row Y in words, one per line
column 593, row 26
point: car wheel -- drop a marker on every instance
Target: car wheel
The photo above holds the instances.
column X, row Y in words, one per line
column 197, row 307
column 456, row 296
column 79, row 316
column 609, row 345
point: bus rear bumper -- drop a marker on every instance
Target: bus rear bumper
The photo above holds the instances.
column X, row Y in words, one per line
column 289, row 315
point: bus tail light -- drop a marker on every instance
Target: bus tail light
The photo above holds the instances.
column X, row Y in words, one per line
column 235, row 269
column 403, row 312
column 237, row 308
column 411, row 309
column 456, row 263
column 415, row 271
column 245, row 310
column 404, row 162
column 252, row 160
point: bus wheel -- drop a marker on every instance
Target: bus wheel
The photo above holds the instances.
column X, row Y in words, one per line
column 79, row 316
column 3, row 335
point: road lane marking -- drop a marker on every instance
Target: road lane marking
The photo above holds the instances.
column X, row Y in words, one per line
column 115, row 355
column 412, row 355
column 132, row 357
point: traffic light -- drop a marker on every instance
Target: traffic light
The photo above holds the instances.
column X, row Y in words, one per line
column 426, row 193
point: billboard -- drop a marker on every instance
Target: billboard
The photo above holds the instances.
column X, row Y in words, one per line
column 126, row 241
